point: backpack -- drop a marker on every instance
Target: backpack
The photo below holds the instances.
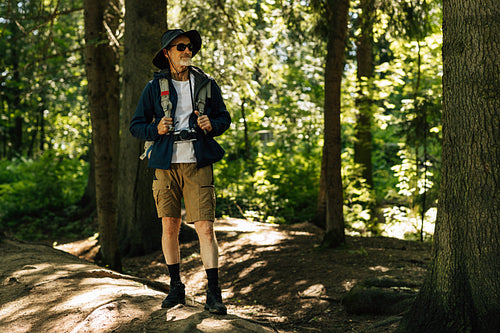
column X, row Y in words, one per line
column 205, row 92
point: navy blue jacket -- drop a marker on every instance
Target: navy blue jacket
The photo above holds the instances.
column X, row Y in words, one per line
column 142, row 126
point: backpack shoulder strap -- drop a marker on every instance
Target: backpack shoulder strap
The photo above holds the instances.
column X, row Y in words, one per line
column 166, row 106
column 205, row 92
column 165, row 99
column 165, row 96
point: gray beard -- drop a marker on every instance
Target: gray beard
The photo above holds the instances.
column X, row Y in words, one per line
column 185, row 62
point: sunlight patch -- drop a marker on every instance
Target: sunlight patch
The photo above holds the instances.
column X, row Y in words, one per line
column 301, row 233
column 13, row 311
column 316, row 290
column 266, row 238
column 301, row 282
column 86, row 300
column 214, row 325
column 250, row 268
column 379, row 269
column 246, row 290
column 348, row 284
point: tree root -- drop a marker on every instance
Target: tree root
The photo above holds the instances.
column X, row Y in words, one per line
column 101, row 273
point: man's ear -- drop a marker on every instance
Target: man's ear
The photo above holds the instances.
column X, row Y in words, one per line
column 165, row 53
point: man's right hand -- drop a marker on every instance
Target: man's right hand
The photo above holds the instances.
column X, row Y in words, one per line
column 164, row 125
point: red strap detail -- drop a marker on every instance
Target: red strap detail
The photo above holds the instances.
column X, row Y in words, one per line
column 163, row 93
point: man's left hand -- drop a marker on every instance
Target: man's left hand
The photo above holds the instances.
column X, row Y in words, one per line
column 204, row 122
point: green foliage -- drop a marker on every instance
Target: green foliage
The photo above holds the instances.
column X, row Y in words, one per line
column 31, row 191
column 357, row 199
column 406, row 125
column 268, row 57
column 272, row 84
column 43, row 86
column 283, row 189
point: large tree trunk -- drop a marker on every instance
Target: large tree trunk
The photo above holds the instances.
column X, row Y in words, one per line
column 461, row 292
column 337, row 11
column 140, row 228
column 104, row 104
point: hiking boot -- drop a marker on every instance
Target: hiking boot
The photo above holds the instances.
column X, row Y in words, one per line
column 214, row 302
column 176, row 295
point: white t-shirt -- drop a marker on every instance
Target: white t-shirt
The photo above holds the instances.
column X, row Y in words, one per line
column 183, row 150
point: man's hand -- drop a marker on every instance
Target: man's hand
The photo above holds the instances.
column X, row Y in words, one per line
column 204, row 122
column 164, row 125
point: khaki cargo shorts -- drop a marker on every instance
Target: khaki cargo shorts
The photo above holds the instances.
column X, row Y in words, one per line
column 185, row 180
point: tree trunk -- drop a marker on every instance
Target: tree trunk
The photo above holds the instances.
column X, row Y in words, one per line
column 42, row 126
column 16, row 129
column 248, row 161
column 337, row 11
column 140, row 228
column 104, row 104
column 87, row 202
column 461, row 292
column 319, row 218
column 364, row 56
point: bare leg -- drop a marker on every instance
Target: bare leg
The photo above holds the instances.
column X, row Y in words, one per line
column 170, row 239
column 208, row 244
column 210, row 256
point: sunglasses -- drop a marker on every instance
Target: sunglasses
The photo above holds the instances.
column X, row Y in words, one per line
column 181, row 47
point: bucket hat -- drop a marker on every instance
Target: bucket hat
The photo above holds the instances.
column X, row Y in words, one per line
column 194, row 36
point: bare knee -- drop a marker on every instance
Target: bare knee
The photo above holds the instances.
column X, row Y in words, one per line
column 205, row 230
column 170, row 226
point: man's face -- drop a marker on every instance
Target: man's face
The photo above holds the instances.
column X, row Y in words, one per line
column 180, row 59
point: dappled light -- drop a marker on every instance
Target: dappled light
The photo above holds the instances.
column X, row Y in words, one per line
column 270, row 274
column 315, row 290
column 348, row 284
column 52, row 284
column 266, row 237
column 379, row 269
column 252, row 267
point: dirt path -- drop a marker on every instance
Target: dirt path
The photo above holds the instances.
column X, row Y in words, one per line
column 270, row 275
column 276, row 274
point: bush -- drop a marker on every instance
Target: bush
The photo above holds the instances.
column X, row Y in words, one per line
column 32, row 189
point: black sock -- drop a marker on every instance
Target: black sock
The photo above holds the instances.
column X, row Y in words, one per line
column 174, row 272
column 213, row 278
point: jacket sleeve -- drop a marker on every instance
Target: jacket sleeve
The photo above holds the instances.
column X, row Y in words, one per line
column 219, row 116
column 143, row 124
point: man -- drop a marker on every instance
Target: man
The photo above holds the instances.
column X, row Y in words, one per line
column 183, row 152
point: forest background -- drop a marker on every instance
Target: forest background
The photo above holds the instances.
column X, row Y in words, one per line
column 336, row 109
column 268, row 57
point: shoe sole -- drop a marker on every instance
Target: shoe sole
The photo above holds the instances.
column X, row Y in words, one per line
column 171, row 306
column 215, row 311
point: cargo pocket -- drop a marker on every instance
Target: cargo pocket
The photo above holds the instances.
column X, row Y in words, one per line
column 207, row 202
column 161, row 192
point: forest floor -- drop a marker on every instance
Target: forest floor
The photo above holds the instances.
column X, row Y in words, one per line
column 277, row 276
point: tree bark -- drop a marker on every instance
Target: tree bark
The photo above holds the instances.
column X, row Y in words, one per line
column 15, row 107
column 319, row 218
column 140, row 228
column 461, row 292
column 364, row 56
column 104, row 104
column 337, row 11
column 87, row 202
